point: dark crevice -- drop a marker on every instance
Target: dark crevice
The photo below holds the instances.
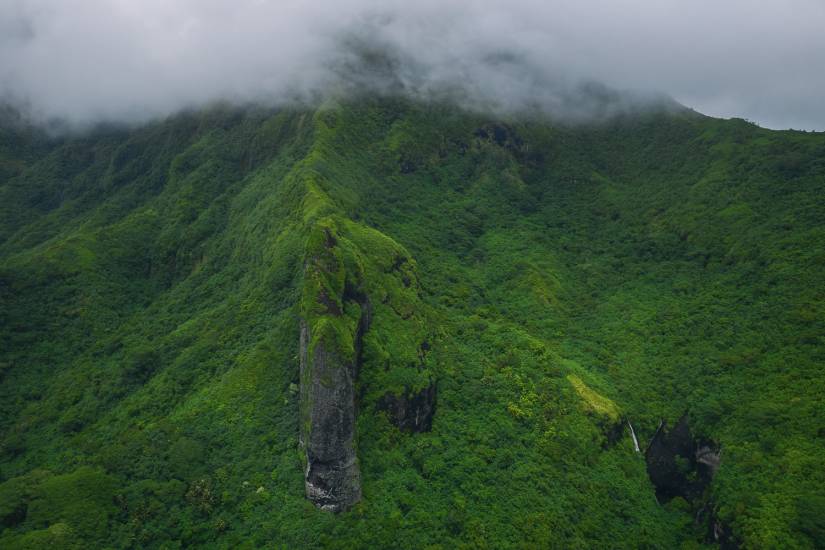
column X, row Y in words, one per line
column 681, row 464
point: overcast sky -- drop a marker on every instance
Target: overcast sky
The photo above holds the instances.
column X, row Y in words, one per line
column 84, row 60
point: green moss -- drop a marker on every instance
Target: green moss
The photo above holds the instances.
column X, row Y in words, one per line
column 597, row 403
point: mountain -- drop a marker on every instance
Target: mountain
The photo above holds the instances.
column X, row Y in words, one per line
column 385, row 323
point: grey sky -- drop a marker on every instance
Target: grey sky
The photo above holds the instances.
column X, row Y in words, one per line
column 133, row 59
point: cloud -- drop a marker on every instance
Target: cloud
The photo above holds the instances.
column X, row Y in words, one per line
column 90, row 60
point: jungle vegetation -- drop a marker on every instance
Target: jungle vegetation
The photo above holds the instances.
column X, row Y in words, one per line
column 571, row 278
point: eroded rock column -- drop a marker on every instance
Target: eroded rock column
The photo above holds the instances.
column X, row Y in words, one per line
column 332, row 326
column 332, row 477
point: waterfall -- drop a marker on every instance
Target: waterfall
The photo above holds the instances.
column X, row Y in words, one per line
column 633, row 435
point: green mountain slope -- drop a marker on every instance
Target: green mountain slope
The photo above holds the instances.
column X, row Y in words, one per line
column 553, row 283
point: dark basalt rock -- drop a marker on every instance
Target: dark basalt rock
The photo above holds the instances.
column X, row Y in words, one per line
column 332, row 476
column 680, row 465
column 669, row 458
column 412, row 411
column 716, row 531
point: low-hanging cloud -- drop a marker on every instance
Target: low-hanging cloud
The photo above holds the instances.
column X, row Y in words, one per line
column 93, row 60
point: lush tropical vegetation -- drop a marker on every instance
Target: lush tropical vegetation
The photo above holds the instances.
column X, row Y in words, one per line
column 567, row 279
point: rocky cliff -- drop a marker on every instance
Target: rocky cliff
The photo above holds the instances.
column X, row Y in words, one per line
column 355, row 307
column 330, row 342
column 332, row 477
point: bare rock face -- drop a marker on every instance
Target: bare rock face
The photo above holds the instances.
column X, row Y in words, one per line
column 334, row 321
column 708, row 459
column 411, row 411
column 680, row 465
column 332, row 477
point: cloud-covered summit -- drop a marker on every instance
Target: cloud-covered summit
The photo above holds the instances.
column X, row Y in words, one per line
column 90, row 60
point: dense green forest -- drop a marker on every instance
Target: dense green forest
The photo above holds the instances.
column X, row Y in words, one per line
column 557, row 283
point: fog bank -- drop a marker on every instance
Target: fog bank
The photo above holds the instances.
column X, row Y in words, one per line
column 93, row 60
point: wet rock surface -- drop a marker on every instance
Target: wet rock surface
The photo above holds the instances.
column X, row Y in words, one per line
column 412, row 411
column 680, row 464
column 717, row 531
column 328, row 410
column 332, row 477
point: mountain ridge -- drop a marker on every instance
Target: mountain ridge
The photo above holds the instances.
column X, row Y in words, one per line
column 152, row 284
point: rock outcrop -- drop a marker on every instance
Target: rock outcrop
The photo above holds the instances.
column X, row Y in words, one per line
column 334, row 321
column 411, row 411
column 332, row 476
column 679, row 464
column 360, row 294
